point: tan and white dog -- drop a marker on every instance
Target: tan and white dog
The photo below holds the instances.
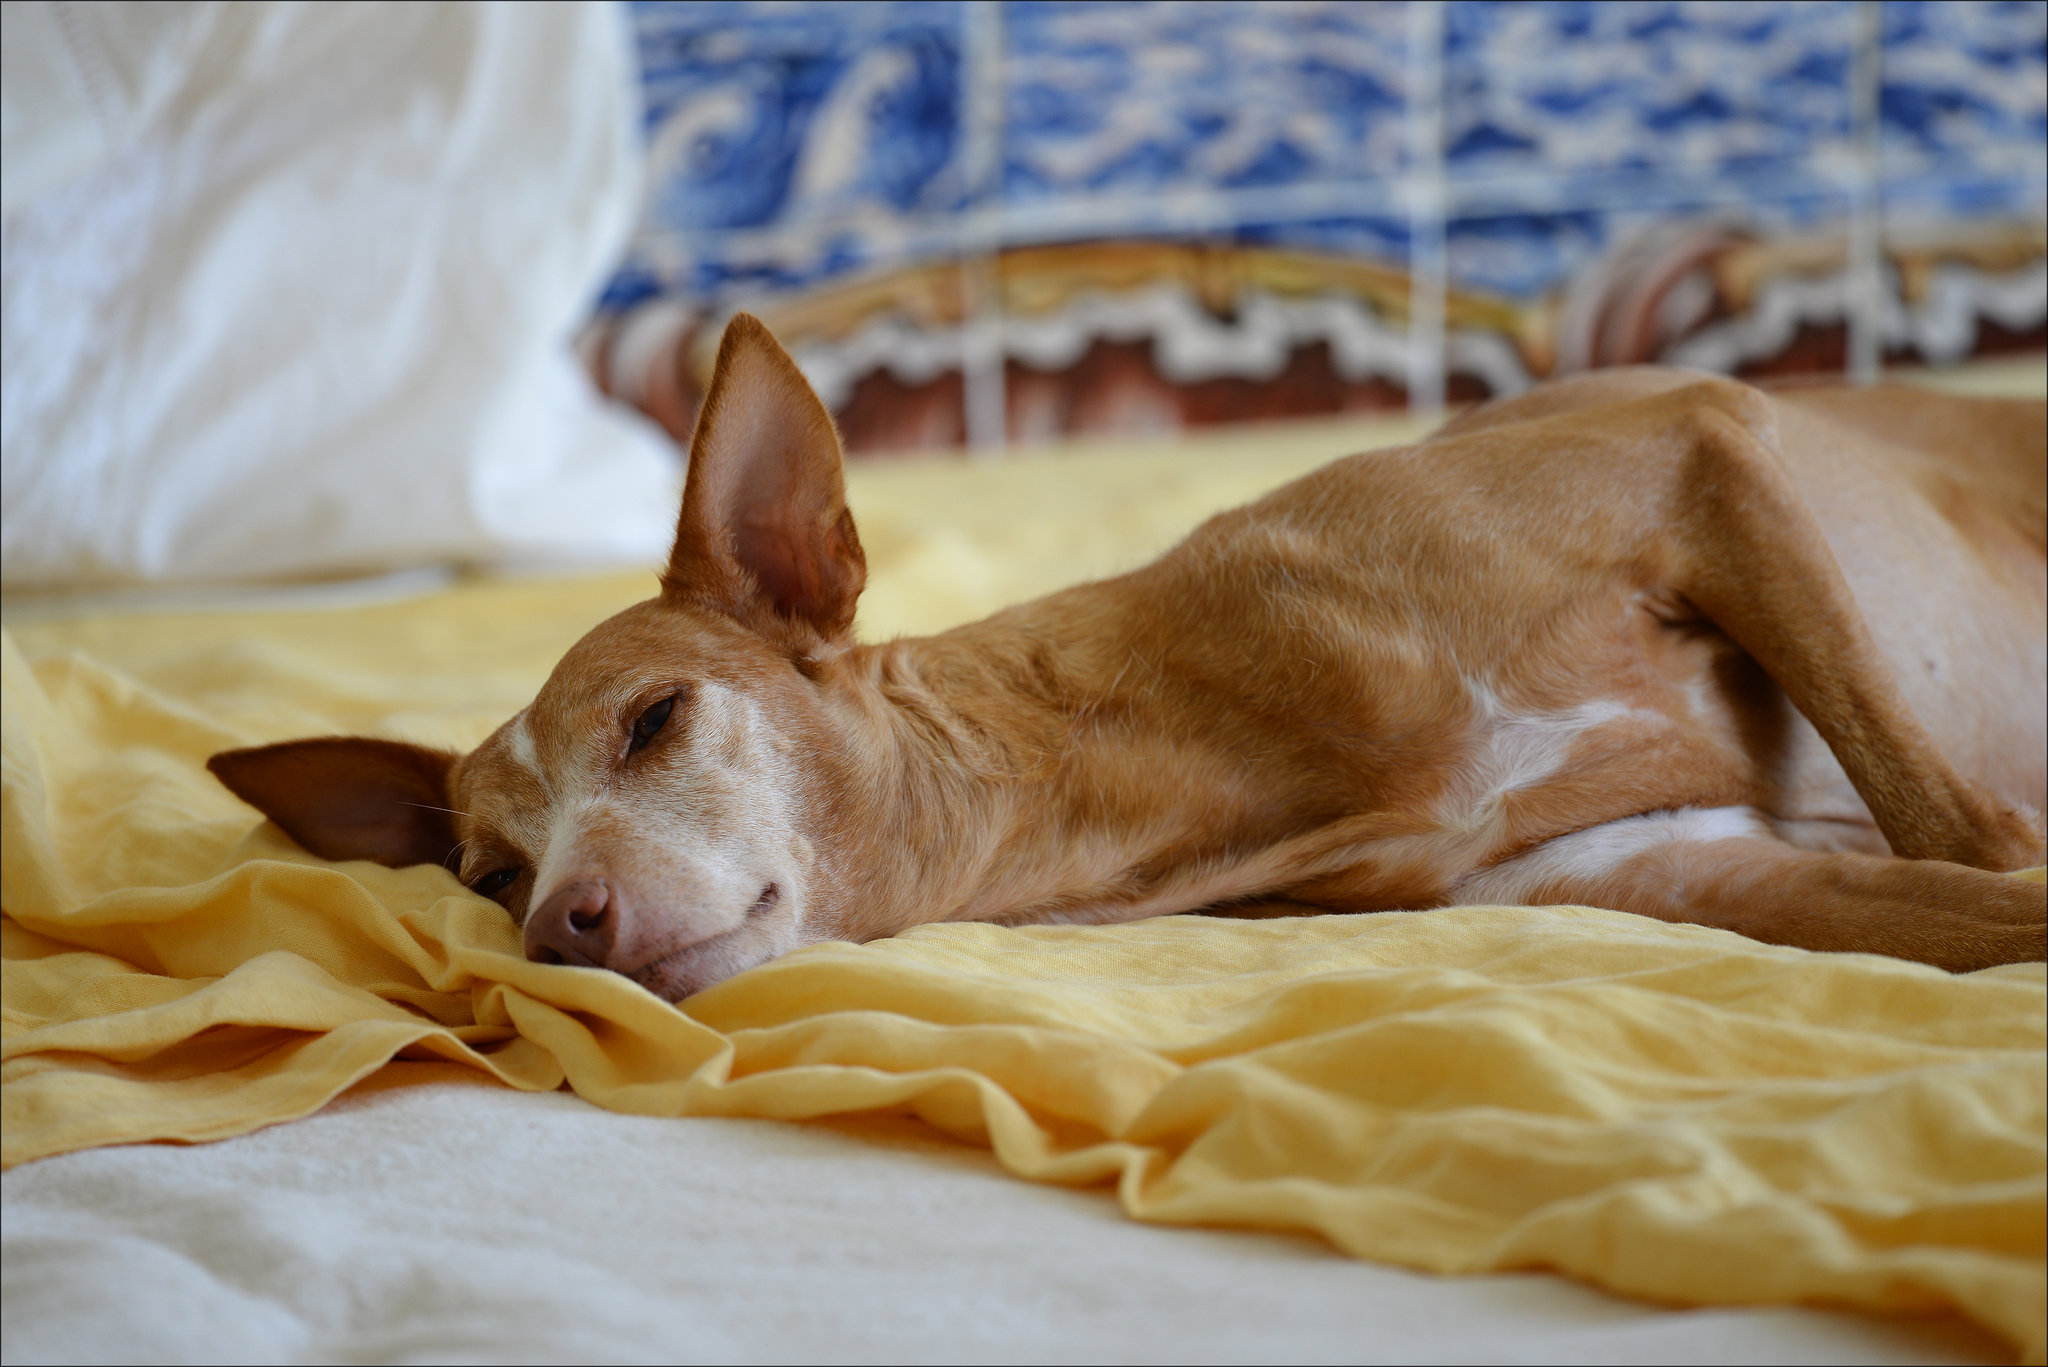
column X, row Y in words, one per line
column 1648, row 640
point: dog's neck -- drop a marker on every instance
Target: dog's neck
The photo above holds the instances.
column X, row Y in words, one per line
column 1004, row 772
column 969, row 765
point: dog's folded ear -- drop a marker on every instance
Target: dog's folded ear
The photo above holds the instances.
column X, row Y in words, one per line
column 765, row 534
column 349, row 797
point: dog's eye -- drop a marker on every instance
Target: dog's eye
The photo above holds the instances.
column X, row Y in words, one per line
column 494, row 882
column 651, row 721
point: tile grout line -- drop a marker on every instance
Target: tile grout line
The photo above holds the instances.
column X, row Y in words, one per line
column 1865, row 285
column 984, row 397
column 1428, row 276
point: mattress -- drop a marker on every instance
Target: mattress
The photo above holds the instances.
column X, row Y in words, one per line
column 1670, row 1113
column 429, row 1216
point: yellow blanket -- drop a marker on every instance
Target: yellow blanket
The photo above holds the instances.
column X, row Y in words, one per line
column 1667, row 1111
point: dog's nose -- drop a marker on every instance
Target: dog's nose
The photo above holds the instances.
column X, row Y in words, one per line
column 577, row 925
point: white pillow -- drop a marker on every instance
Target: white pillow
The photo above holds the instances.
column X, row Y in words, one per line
column 288, row 290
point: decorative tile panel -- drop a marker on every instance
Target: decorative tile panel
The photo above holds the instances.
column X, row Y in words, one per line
column 1234, row 205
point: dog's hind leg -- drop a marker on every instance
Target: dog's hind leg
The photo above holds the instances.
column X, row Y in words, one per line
column 1685, row 493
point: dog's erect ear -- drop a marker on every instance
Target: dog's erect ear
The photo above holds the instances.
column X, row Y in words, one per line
column 764, row 522
column 349, row 797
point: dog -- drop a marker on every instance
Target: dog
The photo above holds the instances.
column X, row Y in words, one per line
column 1647, row 639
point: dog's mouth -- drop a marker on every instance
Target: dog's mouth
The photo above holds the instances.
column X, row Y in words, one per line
column 680, row 972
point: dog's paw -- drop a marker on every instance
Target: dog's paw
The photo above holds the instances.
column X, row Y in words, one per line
column 1993, row 834
column 2012, row 925
column 2024, row 841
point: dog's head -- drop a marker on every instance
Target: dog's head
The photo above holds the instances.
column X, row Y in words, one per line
column 659, row 809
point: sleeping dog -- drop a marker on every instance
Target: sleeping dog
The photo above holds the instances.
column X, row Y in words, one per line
column 1648, row 640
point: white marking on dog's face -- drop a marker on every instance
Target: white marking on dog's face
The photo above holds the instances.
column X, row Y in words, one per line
column 561, row 848
column 519, row 747
column 1600, row 850
column 695, row 826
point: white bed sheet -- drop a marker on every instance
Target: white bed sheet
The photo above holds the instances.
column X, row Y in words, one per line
column 459, row 1221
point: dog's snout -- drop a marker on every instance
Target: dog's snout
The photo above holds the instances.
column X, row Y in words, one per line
column 577, row 925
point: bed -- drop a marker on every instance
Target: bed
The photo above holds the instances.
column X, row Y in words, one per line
column 262, row 1108
column 288, row 296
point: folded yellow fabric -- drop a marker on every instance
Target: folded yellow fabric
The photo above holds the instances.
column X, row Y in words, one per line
column 1667, row 1111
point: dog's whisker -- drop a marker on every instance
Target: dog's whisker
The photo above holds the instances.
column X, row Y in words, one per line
column 452, row 861
column 430, row 807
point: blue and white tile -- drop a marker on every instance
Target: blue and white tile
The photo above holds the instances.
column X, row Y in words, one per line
column 1130, row 98
column 1709, row 87
column 1964, row 86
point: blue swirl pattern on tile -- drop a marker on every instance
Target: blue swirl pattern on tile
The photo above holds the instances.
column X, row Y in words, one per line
column 758, row 113
column 841, row 115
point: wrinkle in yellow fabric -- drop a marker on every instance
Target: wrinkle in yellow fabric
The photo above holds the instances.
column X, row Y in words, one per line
column 1666, row 1111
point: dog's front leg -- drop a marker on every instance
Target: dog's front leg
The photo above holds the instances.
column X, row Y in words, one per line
column 1722, row 868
